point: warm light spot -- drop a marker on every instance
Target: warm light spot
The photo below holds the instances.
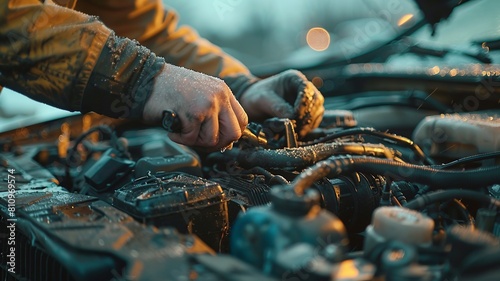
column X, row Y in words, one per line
column 86, row 122
column 22, row 132
column 65, row 128
column 404, row 19
column 347, row 270
column 367, row 67
column 396, row 255
column 453, row 72
column 317, row 81
column 318, row 39
column 435, row 70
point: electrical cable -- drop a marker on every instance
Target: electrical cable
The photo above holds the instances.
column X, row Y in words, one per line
column 462, row 211
column 101, row 128
column 396, row 190
column 70, row 157
column 469, row 159
column 270, row 177
column 444, row 195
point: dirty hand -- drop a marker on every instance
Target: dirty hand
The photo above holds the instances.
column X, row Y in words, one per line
column 210, row 115
column 286, row 95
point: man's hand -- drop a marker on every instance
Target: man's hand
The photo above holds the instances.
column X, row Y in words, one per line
column 287, row 95
column 210, row 115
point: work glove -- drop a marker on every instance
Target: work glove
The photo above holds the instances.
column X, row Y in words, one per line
column 286, row 95
column 210, row 116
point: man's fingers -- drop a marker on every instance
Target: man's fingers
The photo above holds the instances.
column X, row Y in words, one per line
column 293, row 82
column 230, row 127
column 209, row 132
column 215, row 131
column 308, row 108
column 239, row 112
column 190, row 130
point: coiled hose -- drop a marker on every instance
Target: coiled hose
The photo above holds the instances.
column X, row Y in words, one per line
column 299, row 157
column 435, row 178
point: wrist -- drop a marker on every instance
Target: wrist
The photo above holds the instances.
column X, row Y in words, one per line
column 239, row 84
column 122, row 80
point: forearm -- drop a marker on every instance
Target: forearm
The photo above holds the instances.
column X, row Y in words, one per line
column 72, row 61
column 149, row 22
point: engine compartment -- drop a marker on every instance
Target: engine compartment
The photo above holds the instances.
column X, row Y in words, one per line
column 93, row 198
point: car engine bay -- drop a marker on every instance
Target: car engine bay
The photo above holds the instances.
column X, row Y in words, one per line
column 401, row 181
column 105, row 199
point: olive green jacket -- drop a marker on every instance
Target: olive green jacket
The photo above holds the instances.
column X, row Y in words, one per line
column 56, row 53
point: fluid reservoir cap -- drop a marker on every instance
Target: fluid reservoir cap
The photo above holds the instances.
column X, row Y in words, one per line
column 286, row 201
column 405, row 225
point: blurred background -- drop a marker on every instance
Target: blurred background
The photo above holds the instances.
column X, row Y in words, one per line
column 269, row 36
column 283, row 32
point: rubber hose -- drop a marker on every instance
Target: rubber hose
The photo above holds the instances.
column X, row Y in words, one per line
column 299, row 157
column 444, row 195
column 396, row 170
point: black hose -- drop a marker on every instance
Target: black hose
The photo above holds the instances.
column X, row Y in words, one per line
column 270, row 177
column 435, row 178
column 396, row 190
column 372, row 132
column 469, row 159
column 463, row 212
column 444, row 195
column 101, row 128
column 481, row 261
column 299, row 157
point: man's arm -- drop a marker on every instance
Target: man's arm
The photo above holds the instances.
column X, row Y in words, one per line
column 155, row 26
column 287, row 95
column 71, row 60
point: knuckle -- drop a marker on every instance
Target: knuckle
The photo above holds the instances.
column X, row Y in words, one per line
column 212, row 141
column 233, row 135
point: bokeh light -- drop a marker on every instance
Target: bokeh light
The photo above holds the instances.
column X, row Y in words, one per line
column 317, row 81
column 318, row 39
column 404, row 19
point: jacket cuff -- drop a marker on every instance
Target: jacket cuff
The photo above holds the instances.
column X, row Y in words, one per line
column 240, row 83
column 122, row 79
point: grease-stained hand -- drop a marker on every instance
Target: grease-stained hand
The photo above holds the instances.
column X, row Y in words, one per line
column 210, row 115
column 286, row 95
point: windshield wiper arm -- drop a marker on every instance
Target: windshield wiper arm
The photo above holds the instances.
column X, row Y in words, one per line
column 480, row 55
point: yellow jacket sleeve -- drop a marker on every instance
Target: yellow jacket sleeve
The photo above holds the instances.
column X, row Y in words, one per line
column 155, row 27
column 72, row 61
